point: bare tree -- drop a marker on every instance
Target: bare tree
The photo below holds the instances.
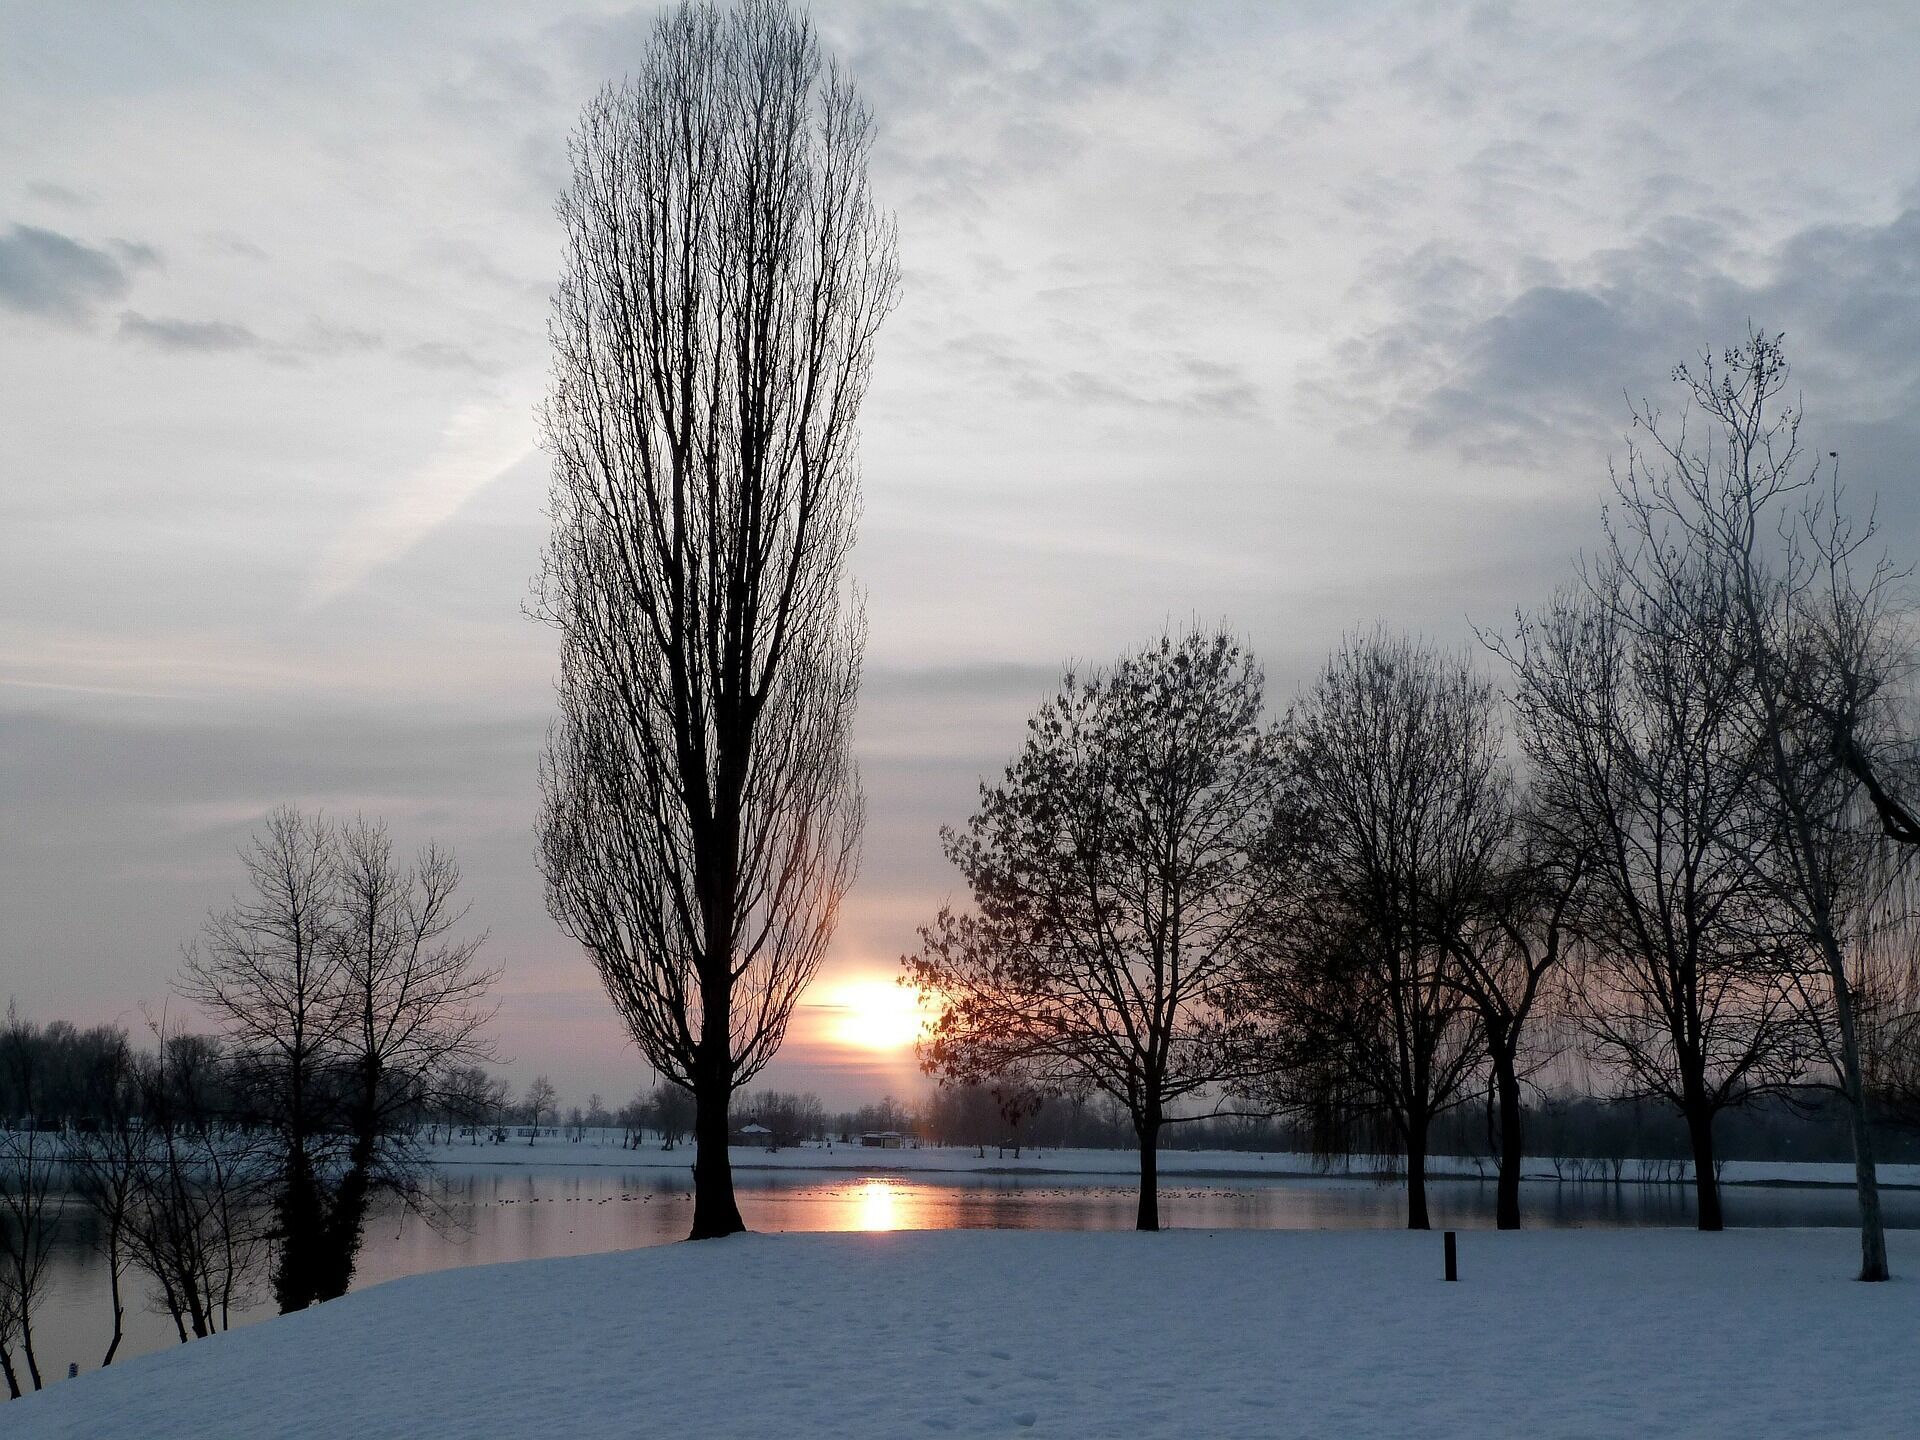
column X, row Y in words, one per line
column 103, row 1165
column 671, row 1110
column 200, row 1226
column 10, row 1316
column 541, row 1099
column 270, row 972
column 1740, row 499
column 1119, row 873
column 1398, row 750
column 468, row 1098
column 414, row 1002
column 1509, row 924
column 29, row 1217
column 1632, row 699
column 345, row 1000
column 713, row 330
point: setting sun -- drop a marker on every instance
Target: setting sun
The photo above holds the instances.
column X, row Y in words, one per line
column 875, row 1015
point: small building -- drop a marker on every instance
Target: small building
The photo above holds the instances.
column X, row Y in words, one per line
column 754, row 1134
column 884, row 1140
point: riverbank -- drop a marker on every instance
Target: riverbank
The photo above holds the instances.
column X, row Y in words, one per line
column 1186, row 1333
column 554, row 1153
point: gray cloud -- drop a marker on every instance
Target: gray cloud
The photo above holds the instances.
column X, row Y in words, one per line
column 133, row 253
column 323, row 338
column 317, row 339
column 1513, row 372
column 55, row 277
column 171, row 333
column 441, row 355
column 52, row 194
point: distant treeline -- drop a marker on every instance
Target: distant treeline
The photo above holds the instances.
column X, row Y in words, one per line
column 77, row 1089
column 1565, row 1125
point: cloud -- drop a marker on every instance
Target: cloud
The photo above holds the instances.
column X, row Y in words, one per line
column 134, row 253
column 169, row 333
column 52, row 194
column 1511, row 370
column 50, row 275
column 317, row 339
column 441, row 355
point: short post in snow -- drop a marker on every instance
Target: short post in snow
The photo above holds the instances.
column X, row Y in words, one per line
column 1453, row 1258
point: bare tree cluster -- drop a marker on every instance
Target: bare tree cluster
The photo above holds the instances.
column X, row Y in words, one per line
column 175, row 1181
column 1694, row 856
column 29, row 1213
column 346, row 1004
column 789, row 1117
column 1739, row 593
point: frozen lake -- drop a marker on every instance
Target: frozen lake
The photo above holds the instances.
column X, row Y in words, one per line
column 507, row 1212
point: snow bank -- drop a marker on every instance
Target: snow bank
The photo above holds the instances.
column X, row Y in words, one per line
column 1187, row 1333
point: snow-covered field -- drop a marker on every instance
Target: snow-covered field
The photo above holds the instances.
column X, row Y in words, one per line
column 553, row 1153
column 1186, row 1333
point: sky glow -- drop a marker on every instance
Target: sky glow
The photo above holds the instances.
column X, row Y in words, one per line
column 1305, row 317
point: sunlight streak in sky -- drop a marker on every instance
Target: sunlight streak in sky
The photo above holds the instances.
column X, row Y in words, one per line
column 481, row 442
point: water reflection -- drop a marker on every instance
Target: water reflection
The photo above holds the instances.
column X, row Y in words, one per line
column 877, row 1209
column 496, row 1213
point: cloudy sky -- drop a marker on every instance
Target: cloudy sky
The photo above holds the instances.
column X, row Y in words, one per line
column 1298, row 316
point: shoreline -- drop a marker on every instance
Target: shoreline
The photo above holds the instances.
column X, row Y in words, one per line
column 1117, row 1165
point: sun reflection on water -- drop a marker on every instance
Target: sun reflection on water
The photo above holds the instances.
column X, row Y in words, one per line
column 878, row 1206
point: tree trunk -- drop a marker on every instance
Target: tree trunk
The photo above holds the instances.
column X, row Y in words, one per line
column 348, row 1214
column 334, row 1273
column 26, row 1348
column 714, row 1211
column 1706, row 1181
column 1148, row 1216
column 300, row 1219
column 119, row 1310
column 1873, row 1235
column 13, row 1378
column 1417, row 1174
column 1507, row 1188
column 1866, row 1179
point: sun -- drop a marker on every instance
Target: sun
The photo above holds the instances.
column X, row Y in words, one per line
column 875, row 1015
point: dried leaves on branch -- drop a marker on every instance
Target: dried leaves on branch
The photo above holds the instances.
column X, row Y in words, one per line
column 1120, row 872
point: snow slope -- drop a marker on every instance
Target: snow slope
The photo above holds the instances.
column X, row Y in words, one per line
column 1186, row 1333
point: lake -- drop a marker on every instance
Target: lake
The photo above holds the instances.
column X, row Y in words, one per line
column 499, row 1213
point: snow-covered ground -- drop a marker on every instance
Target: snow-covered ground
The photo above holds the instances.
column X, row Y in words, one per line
column 1186, row 1333
column 555, row 1153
